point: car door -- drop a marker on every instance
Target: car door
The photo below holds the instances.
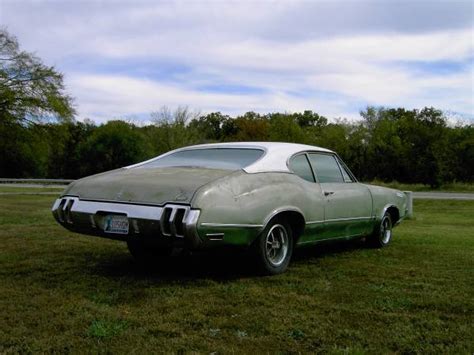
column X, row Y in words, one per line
column 347, row 204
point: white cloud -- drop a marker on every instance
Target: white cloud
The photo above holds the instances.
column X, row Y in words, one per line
column 334, row 59
column 106, row 97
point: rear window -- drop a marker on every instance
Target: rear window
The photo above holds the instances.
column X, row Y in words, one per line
column 214, row 158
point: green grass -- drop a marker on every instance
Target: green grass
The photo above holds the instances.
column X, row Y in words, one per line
column 453, row 187
column 29, row 190
column 62, row 292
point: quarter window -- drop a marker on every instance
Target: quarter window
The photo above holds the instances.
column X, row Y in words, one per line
column 348, row 177
column 300, row 166
column 345, row 173
column 326, row 168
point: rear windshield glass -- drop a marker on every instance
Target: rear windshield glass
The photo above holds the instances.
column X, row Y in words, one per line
column 215, row 158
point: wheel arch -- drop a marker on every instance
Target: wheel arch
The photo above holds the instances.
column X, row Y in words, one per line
column 293, row 216
column 393, row 211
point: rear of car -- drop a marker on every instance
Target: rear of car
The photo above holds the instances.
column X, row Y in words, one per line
column 151, row 200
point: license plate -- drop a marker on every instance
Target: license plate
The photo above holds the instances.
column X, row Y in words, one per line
column 116, row 224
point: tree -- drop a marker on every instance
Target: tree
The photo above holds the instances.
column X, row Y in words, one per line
column 110, row 146
column 210, row 126
column 29, row 90
column 24, row 151
column 172, row 130
column 66, row 144
column 310, row 119
column 285, row 128
column 249, row 127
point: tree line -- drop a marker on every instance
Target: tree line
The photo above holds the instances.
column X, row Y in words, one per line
column 410, row 146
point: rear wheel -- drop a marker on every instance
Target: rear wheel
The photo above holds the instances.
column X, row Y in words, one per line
column 274, row 247
column 148, row 253
column 383, row 233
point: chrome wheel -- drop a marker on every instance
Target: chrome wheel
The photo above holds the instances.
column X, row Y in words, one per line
column 386, row 230
column 276, row 244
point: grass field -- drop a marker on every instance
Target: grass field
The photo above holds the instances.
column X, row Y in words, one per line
column 62, row 292
column 29, row 190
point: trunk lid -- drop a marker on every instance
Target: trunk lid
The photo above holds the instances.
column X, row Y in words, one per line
column 145, row 185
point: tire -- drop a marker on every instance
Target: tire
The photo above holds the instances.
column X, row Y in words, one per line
column 146, row 253
column 274, row 247
column 382, row 234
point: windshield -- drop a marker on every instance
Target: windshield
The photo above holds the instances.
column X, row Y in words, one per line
column 214, row 158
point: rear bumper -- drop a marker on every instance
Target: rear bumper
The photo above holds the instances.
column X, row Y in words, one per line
column 169, row 224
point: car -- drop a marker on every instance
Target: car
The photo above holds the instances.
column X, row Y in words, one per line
column 267, row 197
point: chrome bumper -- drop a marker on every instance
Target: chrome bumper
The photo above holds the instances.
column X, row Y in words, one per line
column 172, row 223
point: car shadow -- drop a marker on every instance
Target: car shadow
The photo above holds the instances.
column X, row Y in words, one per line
column 222, row 265
column 219, row 265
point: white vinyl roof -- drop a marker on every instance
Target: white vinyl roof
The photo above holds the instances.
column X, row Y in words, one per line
column 275, row 157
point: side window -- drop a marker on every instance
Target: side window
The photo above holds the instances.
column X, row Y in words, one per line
column 326, row 167
column 300, row 166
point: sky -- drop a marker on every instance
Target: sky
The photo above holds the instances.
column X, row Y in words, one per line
column 125, row 59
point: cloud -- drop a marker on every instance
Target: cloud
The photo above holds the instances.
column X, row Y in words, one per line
column 336, row 57
column 105, row 97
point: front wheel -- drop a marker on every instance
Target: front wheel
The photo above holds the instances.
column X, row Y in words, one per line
column 383, row 233
column 274, row 247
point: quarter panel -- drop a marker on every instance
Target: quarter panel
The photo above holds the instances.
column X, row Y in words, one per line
column 250, row 200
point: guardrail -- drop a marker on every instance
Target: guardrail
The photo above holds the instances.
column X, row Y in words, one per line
column 36, row 181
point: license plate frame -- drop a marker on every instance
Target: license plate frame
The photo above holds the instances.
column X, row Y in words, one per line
column 116, row 224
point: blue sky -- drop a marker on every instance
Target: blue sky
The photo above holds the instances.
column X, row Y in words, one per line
column 129, row 58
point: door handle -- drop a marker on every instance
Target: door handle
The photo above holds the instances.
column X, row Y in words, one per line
column 327, row 193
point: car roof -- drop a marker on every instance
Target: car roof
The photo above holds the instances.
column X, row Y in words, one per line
column 275, row 157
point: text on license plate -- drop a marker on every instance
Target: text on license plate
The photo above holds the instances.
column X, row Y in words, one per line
column 116, row 224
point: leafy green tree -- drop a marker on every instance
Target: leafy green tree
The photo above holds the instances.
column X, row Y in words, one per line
column 171, row 129
column 285, row 128
column 357, row 150
column 210, row 126
column 249, row 127
column 66, row 143
column 29, row 90
column 24, row 151
column 334, row 136
column 408, row 145
column 110, row 146
column 310, row 119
